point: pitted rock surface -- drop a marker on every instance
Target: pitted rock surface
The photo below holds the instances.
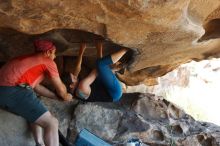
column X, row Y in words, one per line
column 149, row 125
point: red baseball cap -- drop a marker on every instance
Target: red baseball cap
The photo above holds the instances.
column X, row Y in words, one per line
column 43, row 45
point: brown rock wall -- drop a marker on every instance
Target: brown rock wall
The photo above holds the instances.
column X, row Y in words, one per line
column 165, row 32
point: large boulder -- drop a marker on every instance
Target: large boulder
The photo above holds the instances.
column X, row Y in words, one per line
column 150, row 118
column 14, row 130
column 145, row 116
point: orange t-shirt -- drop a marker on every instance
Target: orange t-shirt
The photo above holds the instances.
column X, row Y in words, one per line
column 29, row 69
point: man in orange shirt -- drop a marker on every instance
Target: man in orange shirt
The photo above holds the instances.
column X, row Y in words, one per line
column 20, row 79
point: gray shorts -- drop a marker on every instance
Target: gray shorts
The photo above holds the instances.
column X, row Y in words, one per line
column 21, row 101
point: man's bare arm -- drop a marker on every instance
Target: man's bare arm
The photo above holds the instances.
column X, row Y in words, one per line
column 43, row 91
column 61, row 88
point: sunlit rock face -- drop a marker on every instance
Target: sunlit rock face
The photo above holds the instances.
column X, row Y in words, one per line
column 166, row 33
column 193, row 86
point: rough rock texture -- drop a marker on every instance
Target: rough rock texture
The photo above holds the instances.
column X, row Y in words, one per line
column 166, row 33
column 14, row 130
column 145, row 116
column 193, row 87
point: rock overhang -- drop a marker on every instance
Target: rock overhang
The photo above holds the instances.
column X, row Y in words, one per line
column 166, row 33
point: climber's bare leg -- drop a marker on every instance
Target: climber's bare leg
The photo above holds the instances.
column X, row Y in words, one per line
column 115, row 56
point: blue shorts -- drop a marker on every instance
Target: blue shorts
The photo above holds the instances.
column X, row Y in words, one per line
column 108, row 78
column 21, row 101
